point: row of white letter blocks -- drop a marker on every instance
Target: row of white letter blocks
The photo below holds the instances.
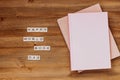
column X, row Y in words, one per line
column 37, row 29
column 37, row 39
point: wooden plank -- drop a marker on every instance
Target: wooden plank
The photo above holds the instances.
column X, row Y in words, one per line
column 13, row 3
column 17, row 15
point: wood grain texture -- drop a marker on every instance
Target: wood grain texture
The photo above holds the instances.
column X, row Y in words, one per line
column 17, row 15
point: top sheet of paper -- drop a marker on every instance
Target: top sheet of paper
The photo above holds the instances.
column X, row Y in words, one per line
column 89, row 41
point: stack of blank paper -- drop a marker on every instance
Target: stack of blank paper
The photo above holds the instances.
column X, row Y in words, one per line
column 89, row 39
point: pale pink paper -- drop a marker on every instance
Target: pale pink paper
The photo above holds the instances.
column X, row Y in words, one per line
column 89, row 41
column 63, row 24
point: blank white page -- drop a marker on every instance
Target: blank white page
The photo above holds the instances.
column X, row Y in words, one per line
column 89, row 41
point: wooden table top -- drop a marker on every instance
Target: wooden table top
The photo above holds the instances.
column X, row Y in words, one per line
column 17, row 15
